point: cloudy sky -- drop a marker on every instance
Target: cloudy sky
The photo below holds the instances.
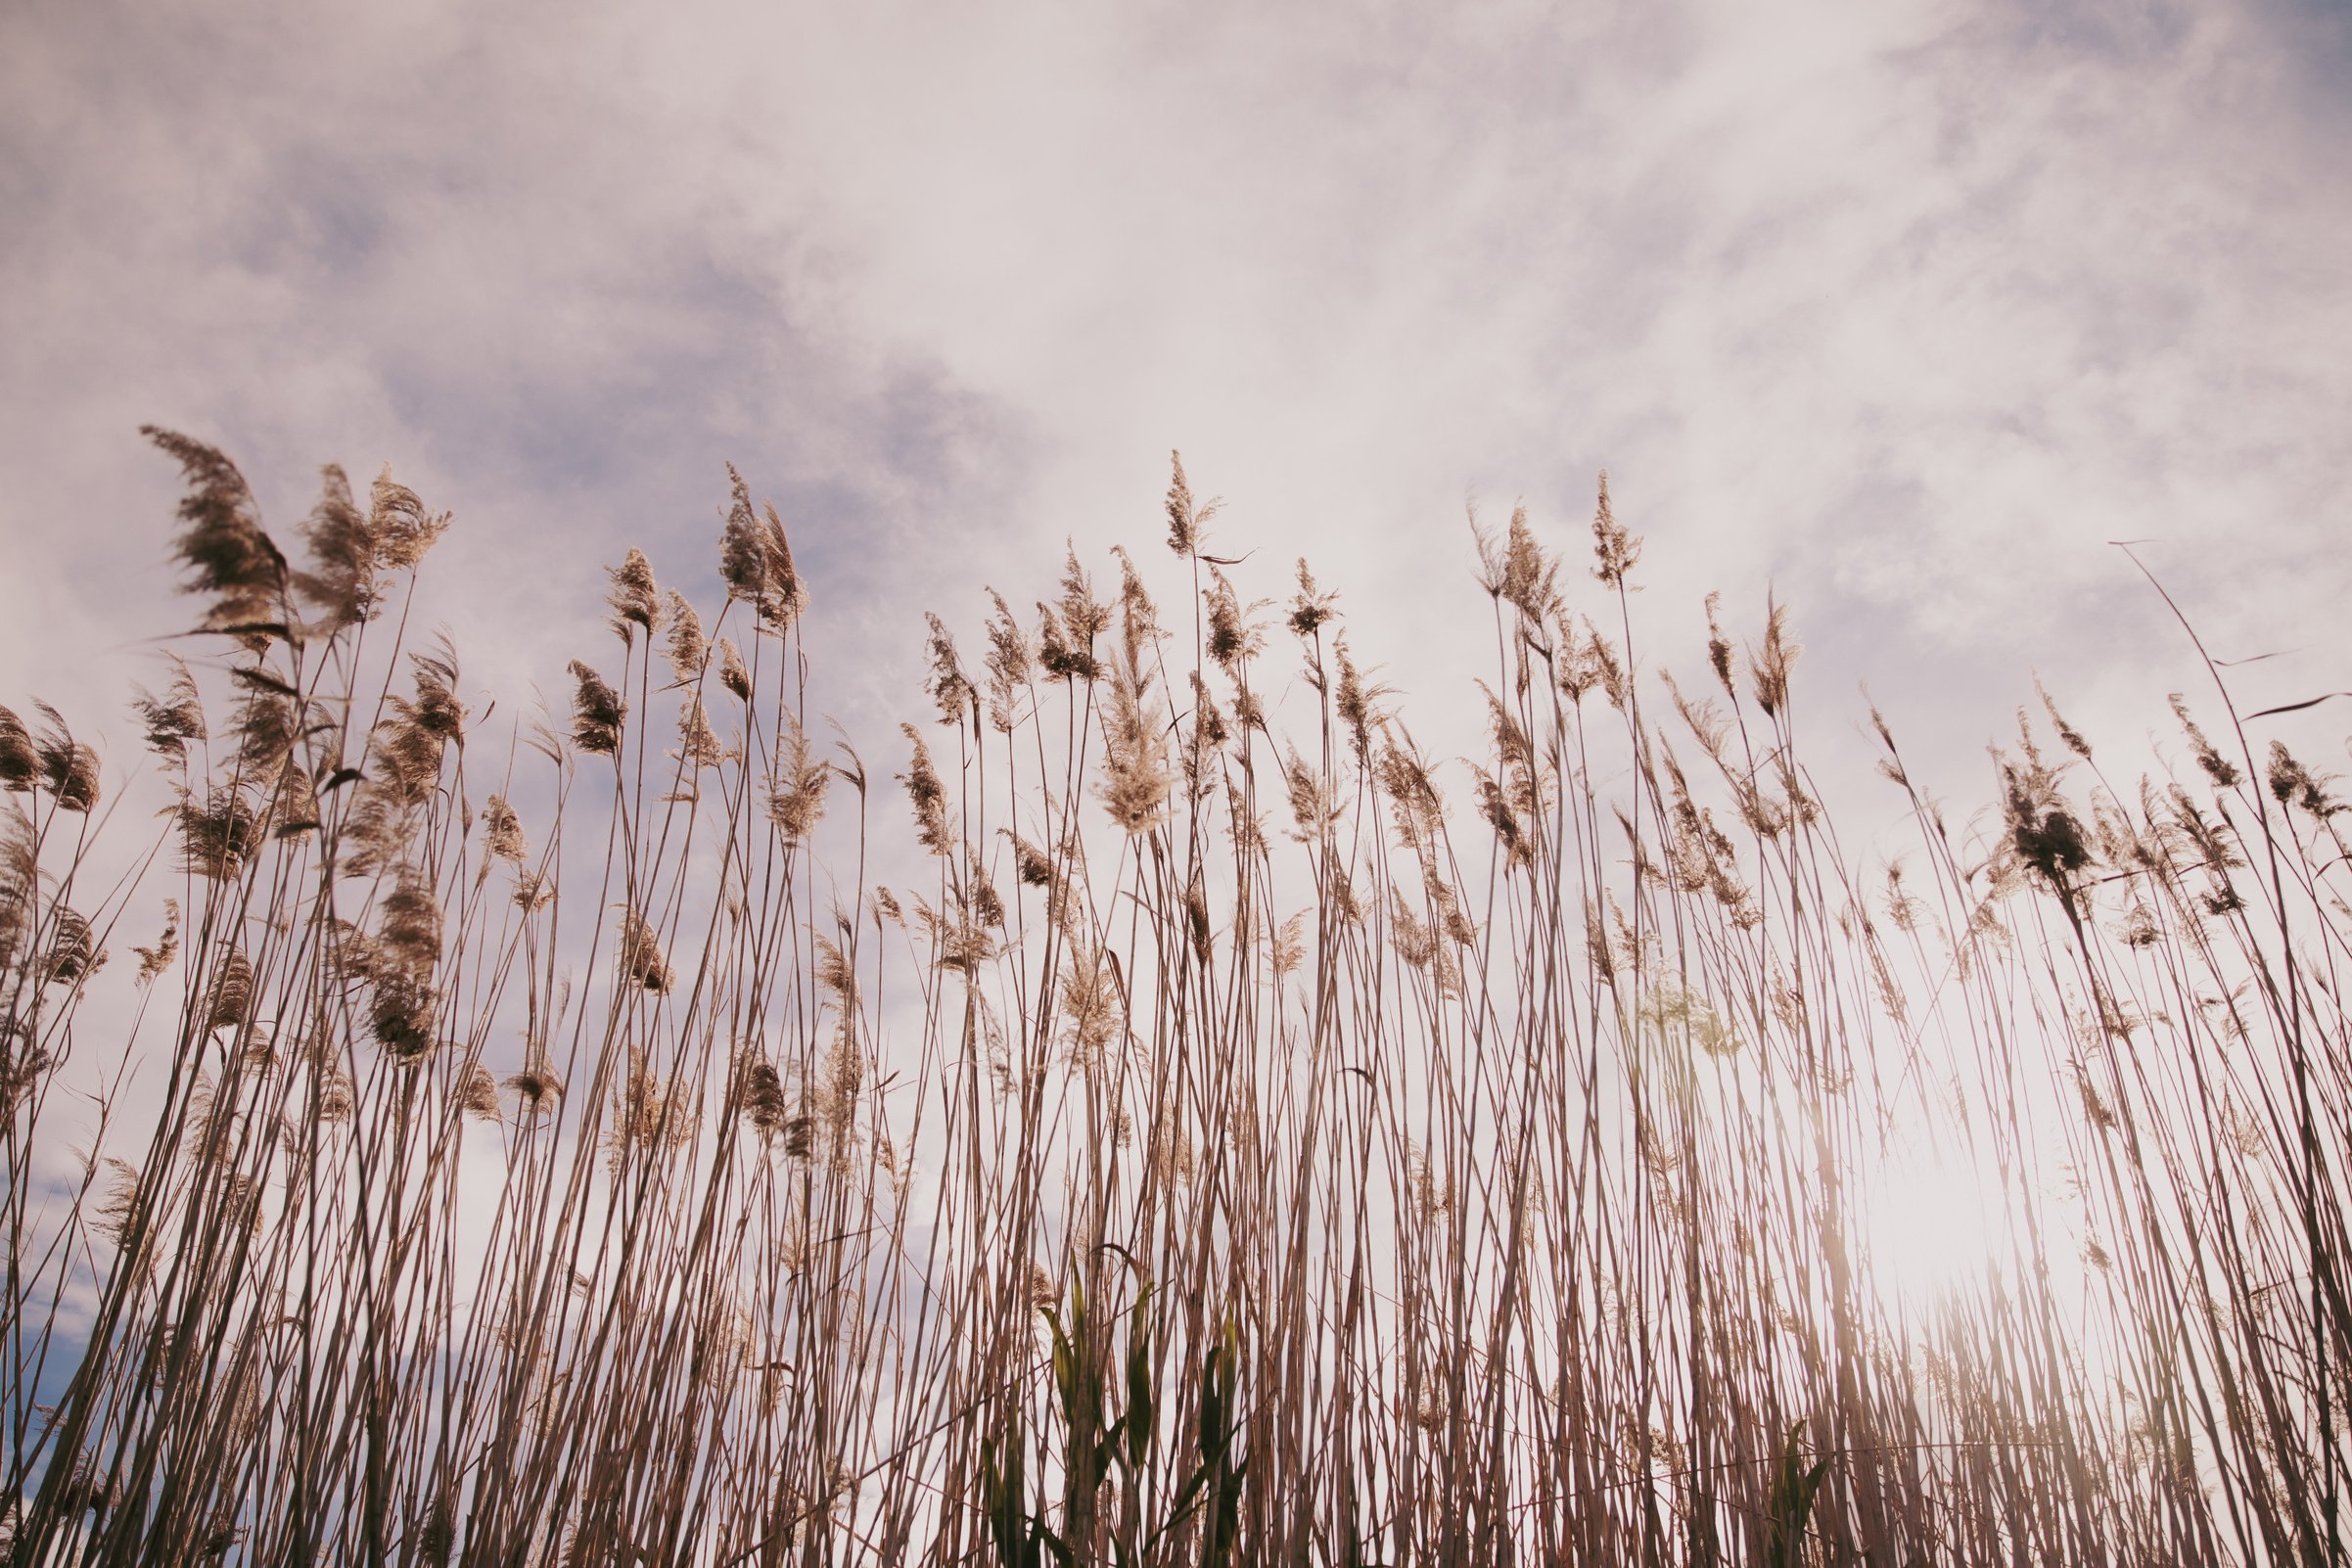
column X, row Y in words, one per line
column 1900, row 312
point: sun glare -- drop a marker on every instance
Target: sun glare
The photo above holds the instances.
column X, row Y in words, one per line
column 1931, row 1232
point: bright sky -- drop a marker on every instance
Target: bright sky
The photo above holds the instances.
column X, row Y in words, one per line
column 1901, row 310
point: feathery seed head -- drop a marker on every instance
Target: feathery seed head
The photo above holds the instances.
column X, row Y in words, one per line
column 1601, row 661
column 957, row 943
column 650, row 1115
column 1059, row 660
column 1769, row 669
column 760, row 1093
column 2068, row 736
column 1310, row 804
column 152, row 962
column 89, row 1489
column 597, row 713
column 2046, row 837
column 269, row 726
column 1140, row 618
column 796, row 801
column 1084, row 616
column 1090, row 1004
column 987, row 908
column 1574, row 665
column 1232, row 637
column 1030, row 863
column 1066, row 634
column 1413, row 796
column 171, row 720
column 1137, row 777
column 929, row 796
column 503, row 831
column 409, row 922
column 232, row 990
column 434, row 708
column 118, row 1208
column 222, row 544
column 947, row 685
column 1310, row 608
column 2220, row 770
column 1353, row 703
column 68, row 769
column 1008, row 663
column 536, row 1086
column 400, row 527
column 755, row 560
column 478, row 1093
column 1209, row 728
column 1495, row 804
column 1522, row 577
column 697, row 744
column 532, row 891
column 220, row 835
column 640, row 954
column 335, row 1100
column 742, row 556
column 835, row 975
column 1616, row 551
column 635, row 600
column 342, row 578
column 1185, row 519
column 1719, row 646
column 798, row 1136
column 687, row 649
column 75, row 784
column 731, row 673
column 1706, row 725
column 19, row 758
column 2293, row 784
column 74, row 954
column 436, row 1535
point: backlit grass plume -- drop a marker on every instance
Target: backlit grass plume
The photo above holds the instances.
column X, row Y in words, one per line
column 1197, row 1125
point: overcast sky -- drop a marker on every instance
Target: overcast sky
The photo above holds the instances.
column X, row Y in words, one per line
column 1899, row 310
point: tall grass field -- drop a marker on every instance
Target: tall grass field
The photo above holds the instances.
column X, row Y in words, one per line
column 1128, row 1117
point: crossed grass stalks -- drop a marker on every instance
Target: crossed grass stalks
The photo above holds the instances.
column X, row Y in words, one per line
column 556, row 1143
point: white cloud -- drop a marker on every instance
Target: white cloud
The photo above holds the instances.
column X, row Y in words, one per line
column 1907, row 310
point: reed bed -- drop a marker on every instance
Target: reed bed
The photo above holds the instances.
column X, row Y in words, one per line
column 1235, row 1137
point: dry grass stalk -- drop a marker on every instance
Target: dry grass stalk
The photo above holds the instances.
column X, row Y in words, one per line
column 1522, row 1193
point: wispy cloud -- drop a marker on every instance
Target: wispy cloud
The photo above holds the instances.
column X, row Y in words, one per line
column 1907, row 310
